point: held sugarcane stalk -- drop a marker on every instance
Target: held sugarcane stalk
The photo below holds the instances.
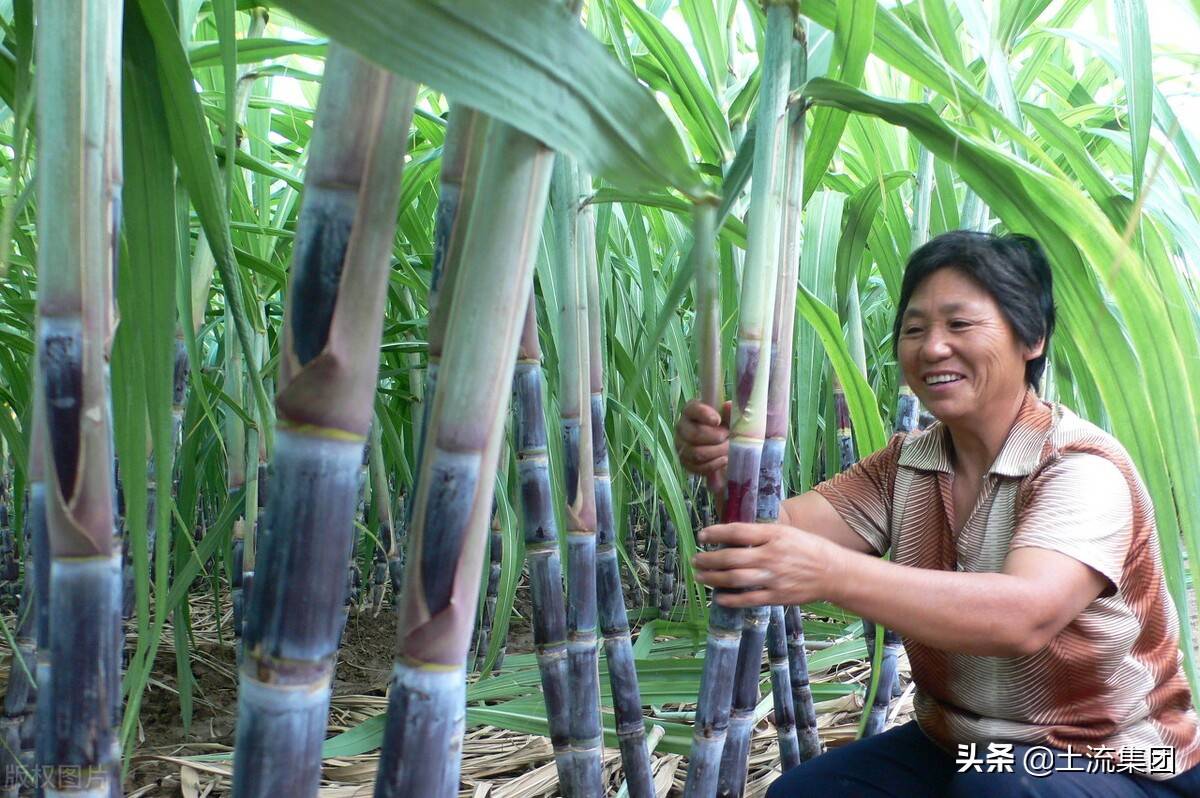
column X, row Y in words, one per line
column 748, row 428
column 771, row 489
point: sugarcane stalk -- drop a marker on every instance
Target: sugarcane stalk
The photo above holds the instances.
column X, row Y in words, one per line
column 17, row 723
column 488, row 616
column 10, row 567
column 39, row 546
column 770, row 488
column 328, row 370
column 541, row 542
column 399, row 547
column 731, row 780
column 708, row 321
column 802, row 698
column 385, row 548
column 614, row 621
column 426, row 703
column 237, row 577
column 245, row 529
column 462, row 153
column 353, row 570
column 654, row 562
column 748, row 426
column 908, row 410
column 79, row 181
column 888, row 675
column 781, row 690
column 669, row 561
column 888, row 678
column 575, row 226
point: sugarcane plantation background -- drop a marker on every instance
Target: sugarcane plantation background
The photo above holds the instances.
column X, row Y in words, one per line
column 341, row 348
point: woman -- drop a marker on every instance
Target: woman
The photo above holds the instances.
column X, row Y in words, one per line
column 1025, row 578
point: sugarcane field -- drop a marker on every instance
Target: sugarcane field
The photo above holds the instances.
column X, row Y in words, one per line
column 633, row 398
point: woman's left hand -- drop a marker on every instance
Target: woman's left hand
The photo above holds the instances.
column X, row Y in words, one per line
column 771, row 563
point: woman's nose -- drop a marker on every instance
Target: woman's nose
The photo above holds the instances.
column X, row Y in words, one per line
column 935, row 346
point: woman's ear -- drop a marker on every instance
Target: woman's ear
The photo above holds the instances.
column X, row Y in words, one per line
column 1037, row 350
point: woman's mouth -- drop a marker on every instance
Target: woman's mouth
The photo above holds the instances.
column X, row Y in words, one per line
column 942, row 381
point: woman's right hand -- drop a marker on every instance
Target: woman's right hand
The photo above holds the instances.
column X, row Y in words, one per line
column 702, row 439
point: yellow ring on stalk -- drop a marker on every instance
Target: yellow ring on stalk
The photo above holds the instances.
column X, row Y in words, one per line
column 430, row 666
column 317, row 431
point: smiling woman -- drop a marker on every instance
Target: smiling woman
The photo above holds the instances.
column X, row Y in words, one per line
column 1025, row 574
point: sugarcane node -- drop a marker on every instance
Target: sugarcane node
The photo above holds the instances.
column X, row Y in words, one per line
column 317, row 264
column 60, row 364
column 289, row 672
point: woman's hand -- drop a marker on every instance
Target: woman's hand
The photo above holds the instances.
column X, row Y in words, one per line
column 782, row 565
column 702, row 439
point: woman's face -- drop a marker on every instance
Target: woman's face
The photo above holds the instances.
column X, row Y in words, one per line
column 958, row 353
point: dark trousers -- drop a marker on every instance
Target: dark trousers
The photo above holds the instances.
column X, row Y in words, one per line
column 904, row 763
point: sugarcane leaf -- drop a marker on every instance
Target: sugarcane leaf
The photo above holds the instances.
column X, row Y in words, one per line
column 861, row 211
column 998, row 70
column 687, row 87
column 1164, row 115
column 869, row 434
column 250, row 51
column 708, row 37
column 616, row 32
column 193, row 152
column 734, row 229
column 1015, row 18
column 943, row 30
column 549, row 78
column 1133, row 30
column 223, row 14
column 1080, row 162
column 896, row 44
column 853, row 36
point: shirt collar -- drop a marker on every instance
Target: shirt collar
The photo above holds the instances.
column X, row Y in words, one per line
column 1021, row 453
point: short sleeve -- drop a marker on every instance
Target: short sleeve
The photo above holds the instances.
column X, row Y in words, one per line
column 862, row 494
column 1079, row 506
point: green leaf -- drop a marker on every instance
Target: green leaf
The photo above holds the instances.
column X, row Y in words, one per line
column 546, row 76
column 689, row 90
column 251, row 51
column 853, row 36
column 1133, row 30
column 708, row 37
column 193, row 151
column 144, row 349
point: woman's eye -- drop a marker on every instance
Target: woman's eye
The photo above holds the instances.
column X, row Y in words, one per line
column 959, row 324
column 911, row 331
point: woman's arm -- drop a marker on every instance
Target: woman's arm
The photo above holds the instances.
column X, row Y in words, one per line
column 1012, row 613
column 812, row 512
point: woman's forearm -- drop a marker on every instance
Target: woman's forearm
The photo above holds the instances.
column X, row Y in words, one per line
column 985, row 614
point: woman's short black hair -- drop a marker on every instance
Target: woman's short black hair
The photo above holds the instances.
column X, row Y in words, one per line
column 1012, row 268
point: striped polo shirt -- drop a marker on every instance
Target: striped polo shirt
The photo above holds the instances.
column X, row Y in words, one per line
column 1113, row 677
